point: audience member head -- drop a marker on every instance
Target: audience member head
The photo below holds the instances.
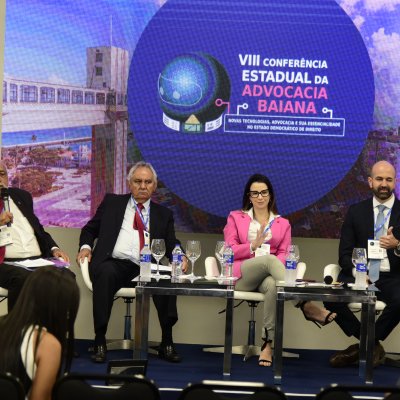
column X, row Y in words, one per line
column 142, row 180
column 3, row 175
column 49, row 299
column 260, row 183
column 382, row 180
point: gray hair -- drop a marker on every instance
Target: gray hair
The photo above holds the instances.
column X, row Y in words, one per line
column 141, row 164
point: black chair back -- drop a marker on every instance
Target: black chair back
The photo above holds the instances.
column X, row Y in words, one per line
column 350, row 392
column 223, row 390
column 11, row 387
column 77, row 387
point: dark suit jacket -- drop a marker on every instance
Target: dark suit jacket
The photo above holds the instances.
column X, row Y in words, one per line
column 23, row 200
column 106, row 224
column 357, row 228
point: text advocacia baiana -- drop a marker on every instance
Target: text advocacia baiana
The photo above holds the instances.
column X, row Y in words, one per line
column 286, row 99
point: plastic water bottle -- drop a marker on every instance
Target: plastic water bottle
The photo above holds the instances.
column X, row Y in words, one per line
column 177, row 255
column 361, row 273
column 290, row 268
column 227, row 261
column 145, row 263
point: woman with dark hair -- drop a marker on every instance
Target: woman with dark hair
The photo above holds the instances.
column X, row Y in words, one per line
column 36, row 337
column 259, row 237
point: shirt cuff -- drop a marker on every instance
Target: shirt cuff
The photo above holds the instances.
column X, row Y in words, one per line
column 396, row 252
column 251, row 250
column 85, row 246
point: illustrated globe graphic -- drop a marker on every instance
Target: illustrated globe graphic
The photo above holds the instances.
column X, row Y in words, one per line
column 189, row 85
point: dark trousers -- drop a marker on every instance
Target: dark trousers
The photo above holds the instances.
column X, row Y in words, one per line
column 389, row 292
column 110, row 276
column 12, row 278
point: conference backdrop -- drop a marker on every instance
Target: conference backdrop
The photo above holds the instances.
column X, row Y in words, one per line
column 209, row 92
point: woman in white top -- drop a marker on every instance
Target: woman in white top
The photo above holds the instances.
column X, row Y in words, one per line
column 36, row 337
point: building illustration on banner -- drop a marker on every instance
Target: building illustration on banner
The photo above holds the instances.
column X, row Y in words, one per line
column 101, row 104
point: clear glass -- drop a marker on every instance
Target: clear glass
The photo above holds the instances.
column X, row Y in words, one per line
column 193, row 252
column 158, row 251
column 359, row 254
column 219, row 254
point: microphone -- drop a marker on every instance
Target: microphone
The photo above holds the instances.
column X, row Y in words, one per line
column 6, row 200
column 328, row 279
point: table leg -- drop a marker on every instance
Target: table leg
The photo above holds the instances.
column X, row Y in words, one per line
column 228, row 338
column 367, row 341
column 141, row 324
column 278, row 339
column 370, row 345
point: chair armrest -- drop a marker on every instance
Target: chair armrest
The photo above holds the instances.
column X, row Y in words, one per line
column 85, row 273
column 211, row 266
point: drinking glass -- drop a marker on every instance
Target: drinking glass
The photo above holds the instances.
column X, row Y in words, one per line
column 158, row 251
column 358, row 254
column 219, row 254
column 193, row 251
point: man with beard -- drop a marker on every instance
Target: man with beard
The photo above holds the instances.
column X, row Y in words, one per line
column 371, row 220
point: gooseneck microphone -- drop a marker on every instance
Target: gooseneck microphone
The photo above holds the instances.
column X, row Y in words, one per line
column 6, row 200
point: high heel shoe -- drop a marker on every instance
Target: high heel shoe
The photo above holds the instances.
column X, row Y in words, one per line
column 263, row 361
column 320, row 324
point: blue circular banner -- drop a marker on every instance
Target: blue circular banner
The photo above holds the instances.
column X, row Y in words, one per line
column 280, row 88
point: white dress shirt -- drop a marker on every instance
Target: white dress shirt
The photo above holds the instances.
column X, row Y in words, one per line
column 24, row 243
column 385, row 266
column 128, row 242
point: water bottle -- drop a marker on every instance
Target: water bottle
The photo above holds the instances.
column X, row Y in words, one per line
column 227, row 261
column 292, row 257
column 361, row 273
column 145, row 263
column 177, row 256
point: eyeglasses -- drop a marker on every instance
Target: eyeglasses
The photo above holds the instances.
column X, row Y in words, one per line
column 254, row 194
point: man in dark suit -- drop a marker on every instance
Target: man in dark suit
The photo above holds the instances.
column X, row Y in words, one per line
column 29, row 239
column 115, row 258
column 362, row 224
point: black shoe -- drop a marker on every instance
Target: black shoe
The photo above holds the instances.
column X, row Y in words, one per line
column 100, row 352
column 168, row 353
column 345, row 357
column 379, row 355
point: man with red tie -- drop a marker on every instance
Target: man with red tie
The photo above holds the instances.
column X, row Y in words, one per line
column 122, row 225
column 28, row 238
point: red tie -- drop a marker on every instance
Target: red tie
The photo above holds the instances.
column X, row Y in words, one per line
column 2, row 248
column 138, row 224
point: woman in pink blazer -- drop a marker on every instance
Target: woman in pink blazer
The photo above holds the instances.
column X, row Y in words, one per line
column 259, row 237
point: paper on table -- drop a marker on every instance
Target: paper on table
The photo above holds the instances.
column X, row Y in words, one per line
column 166, row 268
column 38, row 262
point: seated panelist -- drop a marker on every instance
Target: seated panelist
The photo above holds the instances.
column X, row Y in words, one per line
column 123, row 223
column 22, row 236
column 370, row 223
column 259, row 237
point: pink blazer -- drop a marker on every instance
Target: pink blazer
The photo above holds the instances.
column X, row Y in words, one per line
column 236, row 232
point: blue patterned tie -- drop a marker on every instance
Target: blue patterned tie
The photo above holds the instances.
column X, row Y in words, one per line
column 374, row 265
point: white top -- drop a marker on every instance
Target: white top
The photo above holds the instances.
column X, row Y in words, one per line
column 255, row 226
column 128, row 243
column 24, row 243
column 385, row 266
column 27, row 352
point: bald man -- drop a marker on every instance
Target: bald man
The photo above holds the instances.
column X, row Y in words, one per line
column 361, row 225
